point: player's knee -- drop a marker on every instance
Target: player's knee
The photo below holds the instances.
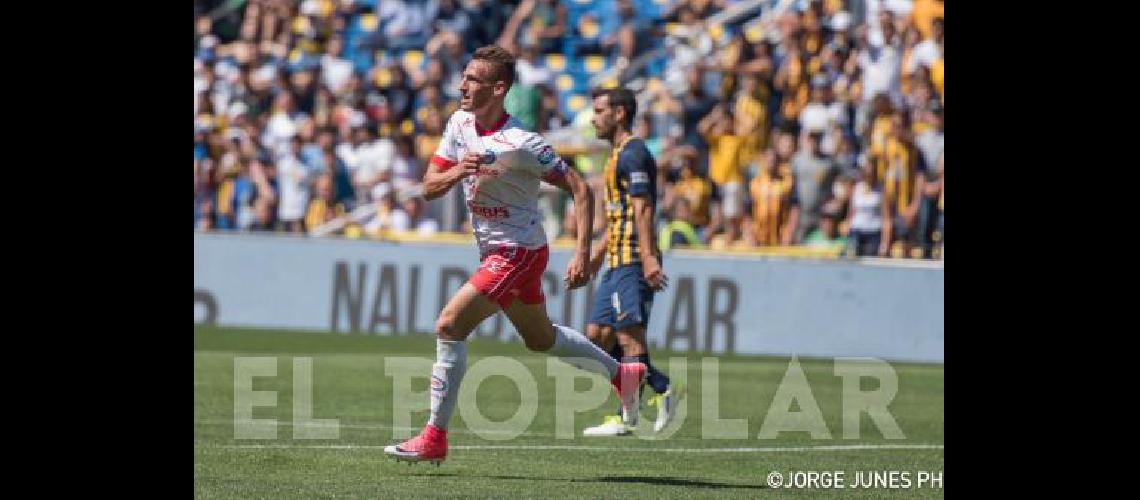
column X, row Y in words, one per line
column 632, row 340
column 594, row 333
column 445, row 327
column 539, row 343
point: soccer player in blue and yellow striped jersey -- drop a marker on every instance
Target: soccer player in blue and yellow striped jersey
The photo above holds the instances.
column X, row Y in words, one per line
column 625, row 295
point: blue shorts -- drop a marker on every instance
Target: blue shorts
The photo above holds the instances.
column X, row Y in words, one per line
column 623, row 298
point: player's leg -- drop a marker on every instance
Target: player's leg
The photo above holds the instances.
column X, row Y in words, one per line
column 466, row 309
column 458, row 319
column 602, row 336
column 600, row 331
column 606, row 338
column 527, row 313
column 633, row 300
column 541, row 335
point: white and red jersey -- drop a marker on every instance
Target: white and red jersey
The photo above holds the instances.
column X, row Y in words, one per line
column 502, row 200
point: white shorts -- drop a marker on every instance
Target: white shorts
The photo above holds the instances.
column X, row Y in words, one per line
column 731, row 199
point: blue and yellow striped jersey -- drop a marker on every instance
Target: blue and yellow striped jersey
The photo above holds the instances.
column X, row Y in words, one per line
column 630, row 171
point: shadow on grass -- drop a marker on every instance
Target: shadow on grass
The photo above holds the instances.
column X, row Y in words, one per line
column 656, row 481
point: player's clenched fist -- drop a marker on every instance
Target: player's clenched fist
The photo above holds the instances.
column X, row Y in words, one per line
column 469, row 165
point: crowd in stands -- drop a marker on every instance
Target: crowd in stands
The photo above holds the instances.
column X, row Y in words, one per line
column 774, row 123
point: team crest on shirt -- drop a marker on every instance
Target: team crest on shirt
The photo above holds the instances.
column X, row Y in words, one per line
column 545, row 155
column 488, row 157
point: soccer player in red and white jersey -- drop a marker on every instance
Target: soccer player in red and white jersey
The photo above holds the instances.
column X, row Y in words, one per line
column 499, row 164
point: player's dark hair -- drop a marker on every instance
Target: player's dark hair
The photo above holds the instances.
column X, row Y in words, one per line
column 620, row 97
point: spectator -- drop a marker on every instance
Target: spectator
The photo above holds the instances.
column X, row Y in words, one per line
column 775, row 209
column 281, row 125
column 815, row 116
column 453, row 26
column 411, row 216
column 939, row 236
column 491, row 22
column 427, row 141
column 814, row 174
column 349, row 151
column 751, row 110
column 205, row 214
column 548, row 116
column 932, row 141
column 404, row 24
column 725, row 166
column 630, row 38
column 385, row 203
column 694, row 105
column 867, row 215
column 342, row 182
column 374, row 164
column 902, row 186
column 294, row 188
column 828, row 234
column 531, row 71
column 927, row 16
column 930, row 212
column 679, row 231
column 847, row 157
column 406, row 170
column 702, row 200
column 399, row 94
column 262, row 218
column 541, row 23
column 879, row 132
column 791, row 81
column 325, row 206
column 785, row 151
column 523, row 98
column 335, row 70
column 880, row 62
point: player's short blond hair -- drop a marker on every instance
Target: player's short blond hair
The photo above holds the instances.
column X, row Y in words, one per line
column 502, row 62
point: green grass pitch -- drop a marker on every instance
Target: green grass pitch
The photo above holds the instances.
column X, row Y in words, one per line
column 349, row 384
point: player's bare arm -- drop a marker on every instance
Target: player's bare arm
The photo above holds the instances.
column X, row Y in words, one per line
column 577, row 272
column 438, row 180
column 650, row 266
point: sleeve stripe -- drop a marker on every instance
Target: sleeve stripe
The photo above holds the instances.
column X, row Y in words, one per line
column 442, row 163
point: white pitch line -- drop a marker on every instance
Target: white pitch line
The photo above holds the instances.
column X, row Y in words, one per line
column 771, row 449
column 376, row 427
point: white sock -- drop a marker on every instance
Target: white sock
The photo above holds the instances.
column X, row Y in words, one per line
column 569, row 344
column 446, row 373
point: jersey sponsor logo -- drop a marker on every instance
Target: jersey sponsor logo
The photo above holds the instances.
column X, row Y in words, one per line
column 639, row 177
column 545, row 155
column 488, row 212
column 493, row 172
